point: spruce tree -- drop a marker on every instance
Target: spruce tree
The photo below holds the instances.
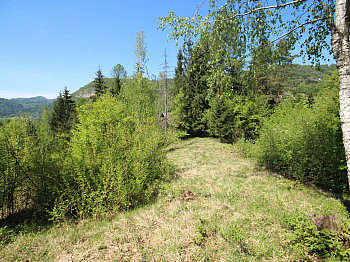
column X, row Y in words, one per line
column 179, row 73
column 99, row 84
column 63, row 114
column 190, row 102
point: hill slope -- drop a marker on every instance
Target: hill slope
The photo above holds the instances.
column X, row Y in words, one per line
column 33, row 106
column 88, row 90
column 220, row 208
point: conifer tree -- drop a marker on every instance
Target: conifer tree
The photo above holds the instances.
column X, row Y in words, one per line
column 190, row 102
column 179, row 73
column 99, row 84
column 63, row 114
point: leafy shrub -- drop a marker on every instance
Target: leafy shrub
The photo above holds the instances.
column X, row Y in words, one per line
column 308, row 241
column 115, row 161
column 305, row 142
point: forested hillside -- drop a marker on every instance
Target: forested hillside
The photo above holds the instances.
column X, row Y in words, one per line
column 308, row 79
column 32, row 107
column 88, row 90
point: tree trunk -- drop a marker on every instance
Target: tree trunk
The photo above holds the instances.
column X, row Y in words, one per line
column 340, row 46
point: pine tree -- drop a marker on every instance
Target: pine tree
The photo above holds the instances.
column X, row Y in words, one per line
column 63, row 114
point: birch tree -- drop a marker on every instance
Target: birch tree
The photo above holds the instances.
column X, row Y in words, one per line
column 140, row 52
column 309, row 22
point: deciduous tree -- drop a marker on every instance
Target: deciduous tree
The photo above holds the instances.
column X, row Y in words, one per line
column 140, row 52
column 119, row 74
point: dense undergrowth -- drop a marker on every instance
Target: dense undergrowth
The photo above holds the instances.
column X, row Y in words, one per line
column 110, row 159
column 304, row 141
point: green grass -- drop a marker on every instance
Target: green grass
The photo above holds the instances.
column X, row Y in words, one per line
column 221, row 207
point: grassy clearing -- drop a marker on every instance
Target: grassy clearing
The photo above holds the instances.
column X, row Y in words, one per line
column 219, row 208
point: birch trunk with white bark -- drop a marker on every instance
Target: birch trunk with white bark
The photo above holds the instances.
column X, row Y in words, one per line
column 340, row 46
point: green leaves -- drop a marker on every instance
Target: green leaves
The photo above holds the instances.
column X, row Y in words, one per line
column 305, row 141
column 268, row 21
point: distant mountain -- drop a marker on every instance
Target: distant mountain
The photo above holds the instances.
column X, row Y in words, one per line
column 306, row 78
column 32, row 107
column 88, row 90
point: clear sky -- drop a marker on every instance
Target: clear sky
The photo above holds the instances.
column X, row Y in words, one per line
column 46, row 45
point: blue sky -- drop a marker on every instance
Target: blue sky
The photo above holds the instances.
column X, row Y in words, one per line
column 46, row 45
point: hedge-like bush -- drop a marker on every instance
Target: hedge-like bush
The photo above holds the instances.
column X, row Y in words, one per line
column 115, row 163
column 305, row 142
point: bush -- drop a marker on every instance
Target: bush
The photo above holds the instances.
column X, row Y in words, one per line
column 305, row 142
column 116, row 162
column 27, row 167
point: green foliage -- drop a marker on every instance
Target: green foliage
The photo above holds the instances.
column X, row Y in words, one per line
column 305, row 141
column 17, row 146
column 190, row 101
column 100, row 87
column 119, row 74
column 258, row 23
column 6, row 235
column 236, row 116
column 63, row 113
column 139, row 96
column 115, row 161
column 308, row 241
column 32, row 107
column 140, row 52
column 28, row 172
column 112, row 160
column 204, row 229
column 305, row 79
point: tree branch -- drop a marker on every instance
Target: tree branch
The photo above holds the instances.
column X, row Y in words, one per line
column 324, row 6
column 257, row 9
column 295, row 28
column 199, row 7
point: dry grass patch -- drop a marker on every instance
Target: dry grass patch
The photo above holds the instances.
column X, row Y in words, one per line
column 219, row 208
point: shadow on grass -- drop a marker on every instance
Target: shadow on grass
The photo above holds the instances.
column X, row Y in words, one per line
column 342, row 195
column 22, row 222
column 177, row 147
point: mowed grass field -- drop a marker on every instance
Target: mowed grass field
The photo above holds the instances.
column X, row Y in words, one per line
column 219, row 207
